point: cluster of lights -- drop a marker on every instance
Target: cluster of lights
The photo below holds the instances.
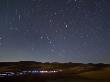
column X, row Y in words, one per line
column 7, row 74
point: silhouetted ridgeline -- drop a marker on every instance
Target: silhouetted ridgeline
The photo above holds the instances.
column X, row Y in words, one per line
column 53, row 63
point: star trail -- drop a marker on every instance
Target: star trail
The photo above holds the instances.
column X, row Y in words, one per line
column 55, row 30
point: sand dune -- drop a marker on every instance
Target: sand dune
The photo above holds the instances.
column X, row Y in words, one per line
column 99, row 74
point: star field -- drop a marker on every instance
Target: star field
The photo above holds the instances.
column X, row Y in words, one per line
column 55, row 30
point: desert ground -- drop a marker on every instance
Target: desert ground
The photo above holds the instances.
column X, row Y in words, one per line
column 67, row 72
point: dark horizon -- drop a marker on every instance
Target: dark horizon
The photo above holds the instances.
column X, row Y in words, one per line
column 55, row 62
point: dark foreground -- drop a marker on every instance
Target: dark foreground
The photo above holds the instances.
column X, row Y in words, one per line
column 51, row 78
column 53, row 72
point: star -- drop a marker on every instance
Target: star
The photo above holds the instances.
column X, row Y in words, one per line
column 75, row 0
column 66, row 26
column 1, row 38
column 19, row 17
column 50, row 42
column 41, row 37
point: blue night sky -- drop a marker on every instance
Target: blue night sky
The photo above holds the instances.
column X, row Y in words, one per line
column 55, row 30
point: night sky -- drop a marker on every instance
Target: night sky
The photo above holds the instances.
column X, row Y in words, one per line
column 55, row 30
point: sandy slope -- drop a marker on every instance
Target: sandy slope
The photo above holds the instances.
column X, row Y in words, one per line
column 100, row 74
